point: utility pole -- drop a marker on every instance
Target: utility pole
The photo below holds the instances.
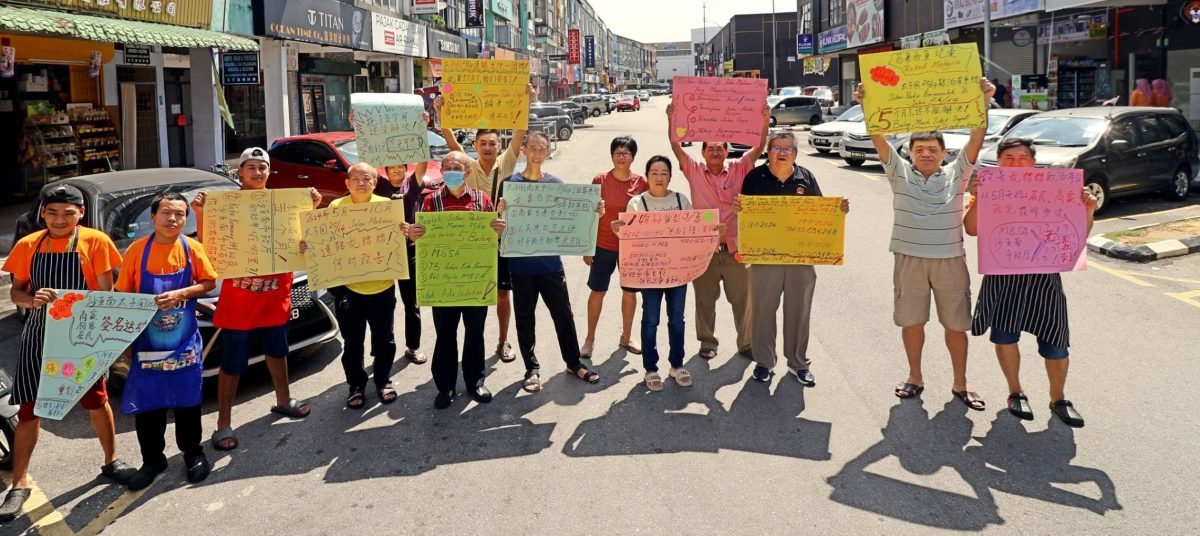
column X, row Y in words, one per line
column 987, row 39
column 704, row 45
column 774, row 47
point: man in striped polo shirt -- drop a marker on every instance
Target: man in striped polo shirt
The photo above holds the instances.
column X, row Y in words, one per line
column 927, row 241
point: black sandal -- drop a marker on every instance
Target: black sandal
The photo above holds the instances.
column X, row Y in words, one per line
column 356, row 400
column 971, row 399
column 589, row 375
column 707, row 353
column 387, row 393
column 909, row 390
column 1018, row 405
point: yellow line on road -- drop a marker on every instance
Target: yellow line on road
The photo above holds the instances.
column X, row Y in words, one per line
column 1187, row 297
column 872, row 177
column 44, row 518
column 1165, row 278
column 1118, row 273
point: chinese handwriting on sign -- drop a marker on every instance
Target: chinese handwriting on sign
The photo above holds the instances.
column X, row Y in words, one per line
column 923, row 89
column 791, row 230
column 85, row 333
column 707, row 109
column 1031, row 221
column 255, row 232
column 354, row 243
column 456, row 259
column 668, row 248
column 485, row 93
column 550, row 219
column 390, row 128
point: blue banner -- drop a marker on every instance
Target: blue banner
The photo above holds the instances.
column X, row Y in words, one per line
column 589, row 51
column 830, row 40
column 804, row 45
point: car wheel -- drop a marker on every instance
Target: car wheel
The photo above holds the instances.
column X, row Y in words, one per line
column 823, row 151
column 1181, row 182
column 1096, row 187
column 814, row 120
column 564, row 133
column 595, row 112
column 772, row 121
column 854, row 162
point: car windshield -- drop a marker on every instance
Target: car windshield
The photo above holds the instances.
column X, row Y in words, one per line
column 773, row 100
column 854, row 113
column 126, row 214
column 1059, row 131
column 790, row 91
column 349, row 150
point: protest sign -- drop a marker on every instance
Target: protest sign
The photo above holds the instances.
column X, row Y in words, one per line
column 390, row 128
column 86, row 331
column 668, row 248
column 923, row 89
column 550, row 219
column 718, row 109
column 779, row 229
column 353, row 243
column 456, row 259
column 254, row 232
column 1031, row 221
column 485, row 93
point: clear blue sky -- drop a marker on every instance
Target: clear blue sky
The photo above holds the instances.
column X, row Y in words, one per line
column 654, row 21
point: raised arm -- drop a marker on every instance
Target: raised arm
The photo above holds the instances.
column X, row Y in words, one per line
column 676, row 148
column 975, row 144
column 419, row 173
column 882, row 147
column 756, row 151
column 518, row 138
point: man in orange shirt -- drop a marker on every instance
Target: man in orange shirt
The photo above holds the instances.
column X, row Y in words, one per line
column 63, row 257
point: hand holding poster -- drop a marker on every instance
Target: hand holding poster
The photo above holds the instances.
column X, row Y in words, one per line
column 485, row 93
column 390, row 128
column 550, row 219
column 718, row 109
column 923, row 89
column 255, row 232
column 667, row 248
column 777, row 229
column 456, row 259
column 86, row 331
column 1031, row 221
column 354, row 243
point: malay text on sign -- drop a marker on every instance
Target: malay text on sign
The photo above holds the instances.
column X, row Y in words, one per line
column 668, row 248
column 777, row 229
column 485, row 93
column 718, row 109
column 354, row 243
column 550, row 219
column 390, row 128
column 85, row 334
column 255, row 232
column 456, row 259
column 923, row 89
column 1031, row 221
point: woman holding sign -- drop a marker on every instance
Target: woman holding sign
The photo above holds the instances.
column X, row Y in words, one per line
column 1035, row 303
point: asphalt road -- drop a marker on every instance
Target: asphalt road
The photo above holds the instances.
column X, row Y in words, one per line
column 728, row 455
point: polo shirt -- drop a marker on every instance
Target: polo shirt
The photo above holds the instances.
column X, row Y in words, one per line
column 506, row 164
column 717, row 191
column 760, row 181
column 928, row 213
column 468, row 201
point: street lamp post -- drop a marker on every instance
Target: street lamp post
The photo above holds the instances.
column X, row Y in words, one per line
column 774, row 47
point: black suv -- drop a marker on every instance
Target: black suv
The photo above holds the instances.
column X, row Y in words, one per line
column 1122, row 150
column 563, row 124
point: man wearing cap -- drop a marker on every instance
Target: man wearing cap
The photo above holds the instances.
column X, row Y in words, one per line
column 252, row 306
column 65, row 256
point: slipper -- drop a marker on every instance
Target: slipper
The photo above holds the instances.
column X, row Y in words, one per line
column 292, row 409
column 506, row 353
column 653, row 381
column 971, row 399
column 1018, row 405
column 631, row 347
column 588, row 375
column 908, row 390
column 356, row 400
column 221, row 435
column 416, row 356
column 13, row 503
column 387, row 393
column 708, row 353
column 532, row 383
column 682, row 377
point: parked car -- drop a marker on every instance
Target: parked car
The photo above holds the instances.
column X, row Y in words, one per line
column 315, row 160
column 644, row 94
column 856, row 147
column 594, row 104
column 827, row 137
column 1122, row 150
column 563, row 124
column 796, row 111
column 577, row 112
column 118, row 203
column 1000, row 120
column 790, row 91
column 628, row 103
column 739, row 149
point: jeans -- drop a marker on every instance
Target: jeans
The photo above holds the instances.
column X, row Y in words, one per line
column 353, row 315
column 408, row 295
column 651, row 307
column 552, row 288
column 152, row 428
column 445, row 348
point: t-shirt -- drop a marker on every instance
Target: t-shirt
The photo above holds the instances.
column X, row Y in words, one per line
column 615, row 193
column 408, row 191
column 366, row 287
column 505, row 165
column 164, row 259
column 760, row 181
column 97, row 254
column 928, row 213
column 645, row 202
column 548, row 264
column 718, row 191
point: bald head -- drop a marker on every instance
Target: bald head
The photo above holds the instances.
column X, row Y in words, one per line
column 455, row 161
column 361, row 167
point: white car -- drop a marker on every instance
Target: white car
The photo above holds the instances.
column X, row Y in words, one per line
column 644, row 95
column 857, row 147
column 827, row 137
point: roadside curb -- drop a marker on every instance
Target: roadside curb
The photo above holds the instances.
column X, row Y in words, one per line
column 1145, row 252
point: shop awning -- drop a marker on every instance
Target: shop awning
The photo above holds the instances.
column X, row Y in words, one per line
column 1056, row 5
column 55, row 23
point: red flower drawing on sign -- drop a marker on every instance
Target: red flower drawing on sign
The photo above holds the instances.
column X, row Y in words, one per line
column 885, row 76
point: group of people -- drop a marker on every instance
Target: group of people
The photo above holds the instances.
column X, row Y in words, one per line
column 927, row 242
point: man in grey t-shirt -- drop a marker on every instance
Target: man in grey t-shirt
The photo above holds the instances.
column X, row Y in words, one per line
column 927, row 241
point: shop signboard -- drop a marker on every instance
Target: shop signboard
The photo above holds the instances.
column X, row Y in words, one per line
column 503, row 8
column 137, row 55
column 398, row 36
column 966, row 12
column 240, row 69
column 425, row 7
column 832, row 39
column 573, row 46
column 1190, row 12
column 864, row 22
column 804, row 45
column 315, row 21
column 1084, row 28
column 446, row 45
column 190, row 13
column 474, row 10
column 589, row 51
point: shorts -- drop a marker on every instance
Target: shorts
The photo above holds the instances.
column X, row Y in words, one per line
column 94, row 398
column 235, row 357
column 1045, row 349
column 604, row 263
column 503, row 276
column 913, row 279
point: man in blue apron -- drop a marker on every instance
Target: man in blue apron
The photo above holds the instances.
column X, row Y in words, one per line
column 63, row 257
column 166, row 363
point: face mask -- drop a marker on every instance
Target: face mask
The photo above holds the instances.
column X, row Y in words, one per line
column 453, row 179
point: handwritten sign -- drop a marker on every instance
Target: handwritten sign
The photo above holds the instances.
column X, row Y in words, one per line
column 923, row 89
column 1031, row 221
column 390, row 128
column 354, row 243
column 85, row 334
column 777, row 229
column 456, row 259
column 255, row 232
column 666, row 248
column 485, row 93
column 718, row 109
column 550, row 219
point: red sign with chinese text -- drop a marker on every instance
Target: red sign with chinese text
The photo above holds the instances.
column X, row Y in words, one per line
column 573, row 46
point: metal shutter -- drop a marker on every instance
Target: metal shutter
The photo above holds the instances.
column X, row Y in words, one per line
column 1011, row 58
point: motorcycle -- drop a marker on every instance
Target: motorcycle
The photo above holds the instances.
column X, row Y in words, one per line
column 8, row 421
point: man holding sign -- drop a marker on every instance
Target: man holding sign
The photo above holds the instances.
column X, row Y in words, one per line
column 927, row 242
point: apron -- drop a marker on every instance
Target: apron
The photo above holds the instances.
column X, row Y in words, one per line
column 59, row 271
column 165, row 363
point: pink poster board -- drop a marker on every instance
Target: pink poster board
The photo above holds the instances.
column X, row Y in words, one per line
column 1031, row 221
column 718, row 109
column 666, row 248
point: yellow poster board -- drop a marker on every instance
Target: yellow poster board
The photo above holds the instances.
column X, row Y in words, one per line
column 923, row 89
column 354, row 243
column 457, row 259
column 255, row 232
column 784, row 229
column 485, row 93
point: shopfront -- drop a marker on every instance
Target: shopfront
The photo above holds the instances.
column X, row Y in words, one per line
column 398, row 44
column 441, row 45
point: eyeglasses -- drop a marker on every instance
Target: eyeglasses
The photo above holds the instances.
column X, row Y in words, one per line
column 623, row 154
column 365, row 180
column 782, row 150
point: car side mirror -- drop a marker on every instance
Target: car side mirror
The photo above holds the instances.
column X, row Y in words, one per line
column 331, row 165
column 1119, row 145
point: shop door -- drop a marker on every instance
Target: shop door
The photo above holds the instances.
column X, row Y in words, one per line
column 177, row 90
column 313, row 99
column 139, row 126
column 337, row 103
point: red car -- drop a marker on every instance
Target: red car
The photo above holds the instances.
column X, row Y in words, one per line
column 628, row 102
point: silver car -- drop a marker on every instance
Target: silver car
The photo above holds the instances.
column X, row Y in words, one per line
column 828, row 136
column 797, row 111
column 594, row 105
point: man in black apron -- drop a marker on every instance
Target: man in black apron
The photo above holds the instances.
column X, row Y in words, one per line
column 63, row 257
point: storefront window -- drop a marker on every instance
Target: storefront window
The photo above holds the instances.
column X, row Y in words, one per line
column 248, row 107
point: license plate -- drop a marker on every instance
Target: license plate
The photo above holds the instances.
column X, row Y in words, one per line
column 854, row 154
column 818, row 141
